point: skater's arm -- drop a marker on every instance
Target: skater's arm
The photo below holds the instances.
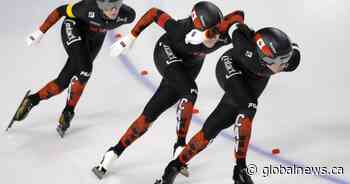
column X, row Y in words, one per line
column 164, row 20
column 67, row 10
column 224, row 26
column 55, row 15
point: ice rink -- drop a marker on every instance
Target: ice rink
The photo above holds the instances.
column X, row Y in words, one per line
column 305, row 113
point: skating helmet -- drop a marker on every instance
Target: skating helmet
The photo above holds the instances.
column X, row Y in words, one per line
column 205, row 15
column 273, row 46
column 106, row 5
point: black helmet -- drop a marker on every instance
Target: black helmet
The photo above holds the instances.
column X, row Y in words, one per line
column 273, row 46
column 105, row 5
column 205, row 15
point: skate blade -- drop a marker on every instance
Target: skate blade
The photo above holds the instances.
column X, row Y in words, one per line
column 158, row 181
column 60, row 132
column 14, row 116
column 184, row 172
column 10, row 124
column 99, row 174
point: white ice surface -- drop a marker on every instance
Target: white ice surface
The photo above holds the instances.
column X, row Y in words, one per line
column 305, row 113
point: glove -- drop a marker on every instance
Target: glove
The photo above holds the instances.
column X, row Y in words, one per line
column 35, row 37
column 122, row 44
column 195, row 37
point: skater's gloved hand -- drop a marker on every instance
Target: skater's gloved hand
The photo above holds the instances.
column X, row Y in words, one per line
column 35, row 37
column 196, row 37
column 122, row 44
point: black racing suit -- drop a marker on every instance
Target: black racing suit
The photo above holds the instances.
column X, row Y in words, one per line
column 83, row 32
column 179, row 64
column 243, row 76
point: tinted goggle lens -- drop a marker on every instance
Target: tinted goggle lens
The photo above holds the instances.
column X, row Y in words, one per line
column 276, row 60
column 106, row 6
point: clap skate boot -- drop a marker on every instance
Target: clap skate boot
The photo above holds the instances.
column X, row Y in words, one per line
column 241, row 176
column 64, row 122
column 24, row 108
column 108, row 158
column 171, row 171
column 26, row 105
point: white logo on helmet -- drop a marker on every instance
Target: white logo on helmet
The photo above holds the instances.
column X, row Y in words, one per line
column 261, row 44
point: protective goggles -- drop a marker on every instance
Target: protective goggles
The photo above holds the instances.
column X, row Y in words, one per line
column 275, row 60
column 106, row 6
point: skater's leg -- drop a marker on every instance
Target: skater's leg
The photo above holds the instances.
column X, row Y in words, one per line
column 181, row 80
column 164, row 97
column 83, row 53
column 78, row 49
column 49, row 90
column 57, row 85
column 236, row 107
column 181, row 76
column 76, row 88
column 242, row 94
column 221, row 118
